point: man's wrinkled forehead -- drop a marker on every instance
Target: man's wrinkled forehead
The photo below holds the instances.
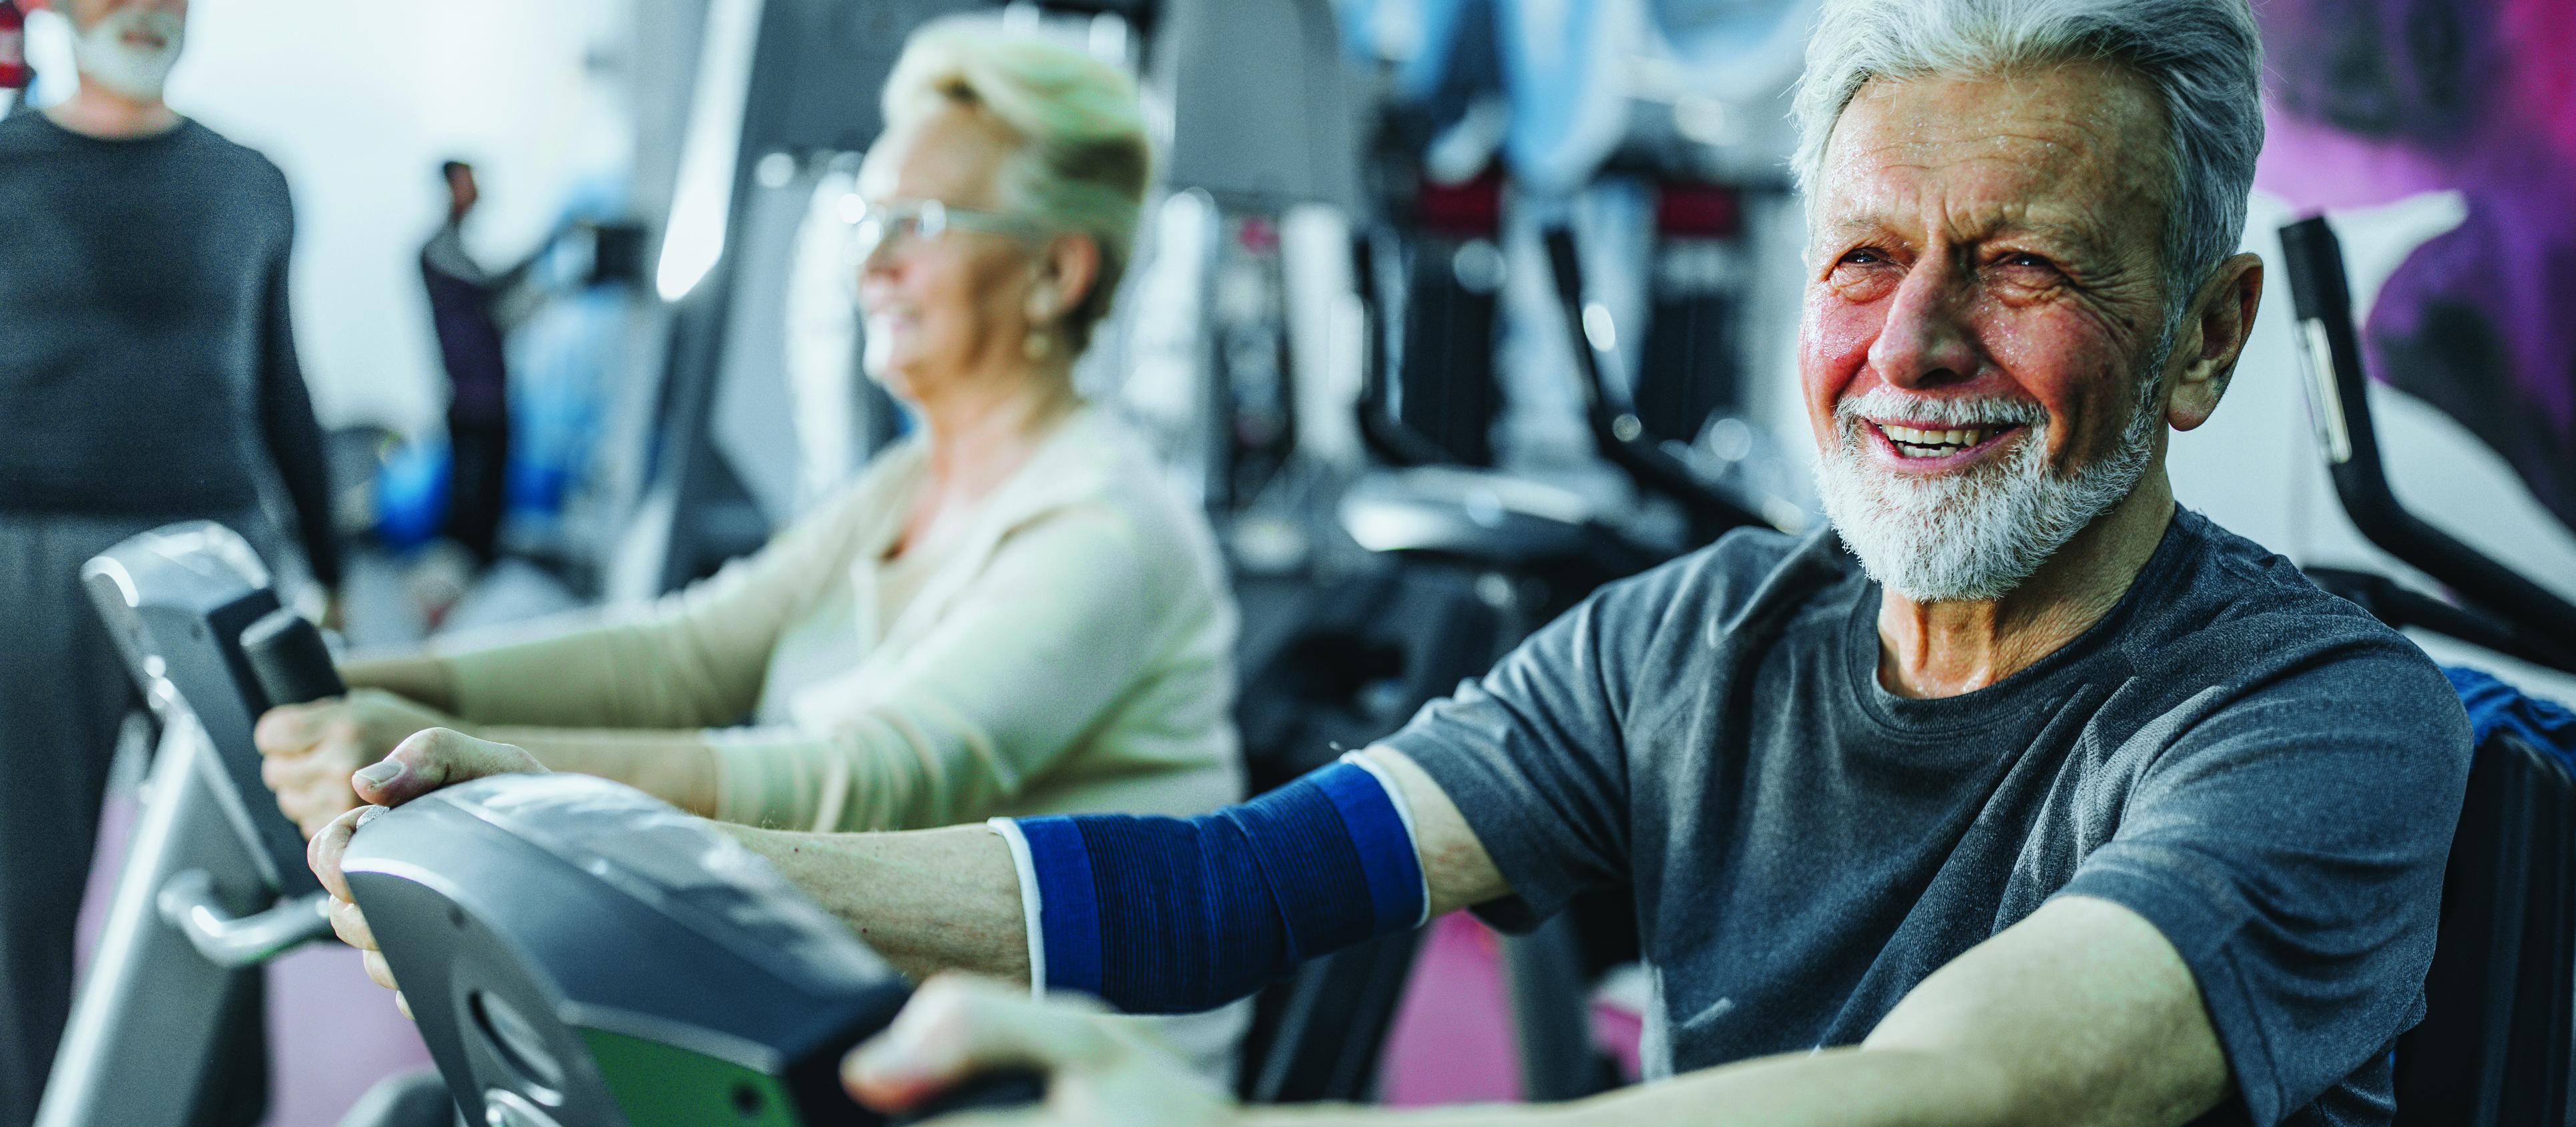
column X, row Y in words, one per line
column 2072, row 153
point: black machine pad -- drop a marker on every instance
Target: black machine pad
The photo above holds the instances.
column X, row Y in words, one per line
column 580, row 954
column 191, row 611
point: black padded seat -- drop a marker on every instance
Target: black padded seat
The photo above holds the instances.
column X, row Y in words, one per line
column 2494, row 1047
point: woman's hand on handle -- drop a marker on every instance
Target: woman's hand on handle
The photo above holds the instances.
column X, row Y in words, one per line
column 309, row 751
column 424, row 762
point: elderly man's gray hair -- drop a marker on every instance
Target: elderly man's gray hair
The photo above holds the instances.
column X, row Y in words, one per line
column 2203, row 57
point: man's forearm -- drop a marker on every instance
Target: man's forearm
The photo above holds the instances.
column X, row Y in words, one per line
column 1834, row 1088
column 927, row 900
column 1848, row 1087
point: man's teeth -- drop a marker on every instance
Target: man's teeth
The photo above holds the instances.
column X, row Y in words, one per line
column 1915, row 443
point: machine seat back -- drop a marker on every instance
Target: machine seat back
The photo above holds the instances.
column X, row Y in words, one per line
column 2494, row 1046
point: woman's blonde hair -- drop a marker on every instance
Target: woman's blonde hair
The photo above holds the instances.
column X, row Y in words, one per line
column 1083, row 161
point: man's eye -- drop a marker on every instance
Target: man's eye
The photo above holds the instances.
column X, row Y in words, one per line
column 1862, row 256
column 2026, row 261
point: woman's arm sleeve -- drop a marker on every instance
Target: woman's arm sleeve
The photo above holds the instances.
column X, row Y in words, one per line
column 1070, row 616
column 698, row 658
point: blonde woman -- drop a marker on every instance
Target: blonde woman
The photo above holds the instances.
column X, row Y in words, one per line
column 1005, row 614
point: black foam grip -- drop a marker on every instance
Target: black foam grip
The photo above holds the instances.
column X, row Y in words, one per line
column 288, row 658
column 2312, row 259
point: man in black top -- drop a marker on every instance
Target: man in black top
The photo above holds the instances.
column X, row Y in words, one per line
column 147, row 374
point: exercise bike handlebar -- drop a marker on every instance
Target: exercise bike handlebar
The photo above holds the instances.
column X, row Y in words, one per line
column 291, row 665
column 192, row 903
column 2340, row 406
column 1616, row 429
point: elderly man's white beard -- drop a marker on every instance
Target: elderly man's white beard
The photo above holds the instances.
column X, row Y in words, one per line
column 104, row 57
column 1975, row 534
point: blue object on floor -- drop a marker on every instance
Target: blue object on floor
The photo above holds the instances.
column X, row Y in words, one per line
column 411, row 492
column 2494, row 705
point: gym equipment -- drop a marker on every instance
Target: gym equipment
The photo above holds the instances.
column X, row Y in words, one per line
column 2526, row 620
column 2498, row 1041
column 581, row 954
column 2494, row 1045
column 13, row 47
column 216, row 882
column 1442, row 384
column 1619, row 434
column 1691, row 365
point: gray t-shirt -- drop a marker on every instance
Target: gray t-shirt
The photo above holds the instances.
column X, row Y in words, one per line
column 2261, row 770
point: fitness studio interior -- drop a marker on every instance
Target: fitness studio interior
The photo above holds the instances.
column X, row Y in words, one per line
column 642, row 563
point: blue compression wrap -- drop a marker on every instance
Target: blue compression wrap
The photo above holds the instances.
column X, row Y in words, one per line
column 1172, row 915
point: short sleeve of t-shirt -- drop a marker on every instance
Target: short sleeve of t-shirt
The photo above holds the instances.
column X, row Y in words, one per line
column 1534, row 755
column 2290, row 843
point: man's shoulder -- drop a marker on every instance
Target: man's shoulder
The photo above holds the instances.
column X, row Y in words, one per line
column 2231, row 590
column 2245, row 622
column 26, row 133
column 250, row 164
column 1748, row 576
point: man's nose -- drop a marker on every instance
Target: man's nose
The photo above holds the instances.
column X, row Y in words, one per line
column 1927, row 341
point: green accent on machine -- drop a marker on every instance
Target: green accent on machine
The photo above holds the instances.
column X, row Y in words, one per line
column 660, row 1085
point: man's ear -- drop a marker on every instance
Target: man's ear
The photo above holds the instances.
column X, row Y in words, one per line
column 2211, row 337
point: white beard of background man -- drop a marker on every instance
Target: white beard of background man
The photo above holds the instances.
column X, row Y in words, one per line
column 130, row 51
column 124, row 51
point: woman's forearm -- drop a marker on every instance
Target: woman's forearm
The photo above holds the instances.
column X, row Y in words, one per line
column 926, row 900
column 676, row 767
column 422, row 679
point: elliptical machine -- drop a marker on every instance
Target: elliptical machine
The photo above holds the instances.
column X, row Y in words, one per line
column 581, row 954
column 578, row 954
column 215, row 884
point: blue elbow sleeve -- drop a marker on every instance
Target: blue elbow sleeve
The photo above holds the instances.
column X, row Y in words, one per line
column 1171, row 915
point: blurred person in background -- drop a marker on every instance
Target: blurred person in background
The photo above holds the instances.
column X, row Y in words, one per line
column 471, row 308
column 147, row 374
column 1008, row 612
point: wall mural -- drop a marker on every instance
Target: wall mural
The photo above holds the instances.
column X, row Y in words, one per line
column 2377, row 100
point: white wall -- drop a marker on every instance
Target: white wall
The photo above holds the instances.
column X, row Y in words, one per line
column 358, row 102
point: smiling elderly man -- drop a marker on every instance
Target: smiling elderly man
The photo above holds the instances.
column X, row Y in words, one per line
column 2024, row 797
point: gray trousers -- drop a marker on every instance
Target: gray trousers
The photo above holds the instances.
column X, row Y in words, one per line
column 64, row 695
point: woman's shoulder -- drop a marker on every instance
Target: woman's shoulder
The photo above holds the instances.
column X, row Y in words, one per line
column 1101, row 475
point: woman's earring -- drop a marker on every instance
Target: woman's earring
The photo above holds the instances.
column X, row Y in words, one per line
column 1041, row 339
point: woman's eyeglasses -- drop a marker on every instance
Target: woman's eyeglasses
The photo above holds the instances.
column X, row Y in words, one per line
column 892, row 225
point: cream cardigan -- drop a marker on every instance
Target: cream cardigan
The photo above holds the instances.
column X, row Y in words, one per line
column 1070, row 650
